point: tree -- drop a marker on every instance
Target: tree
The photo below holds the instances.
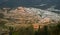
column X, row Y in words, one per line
column 11, row 30
column 58, row 28
column 45, row 30
column 39, row 33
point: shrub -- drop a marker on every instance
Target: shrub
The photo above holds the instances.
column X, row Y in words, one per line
column 27, row 31
column 22, row 31
column 1, row 15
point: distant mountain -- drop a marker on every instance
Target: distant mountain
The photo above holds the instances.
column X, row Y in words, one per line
column 23, row 14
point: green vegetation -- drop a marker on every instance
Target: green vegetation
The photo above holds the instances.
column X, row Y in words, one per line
column 29, row 30
column 45, row 30
column 11, row 31
column 1, row 15
column 22, row 31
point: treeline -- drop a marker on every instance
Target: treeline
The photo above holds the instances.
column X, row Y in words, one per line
column 46, row 30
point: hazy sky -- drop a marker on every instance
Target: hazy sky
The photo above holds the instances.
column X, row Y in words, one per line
column 47, row 3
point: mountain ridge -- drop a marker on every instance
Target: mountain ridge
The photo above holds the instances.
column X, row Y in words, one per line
column 24, row 14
